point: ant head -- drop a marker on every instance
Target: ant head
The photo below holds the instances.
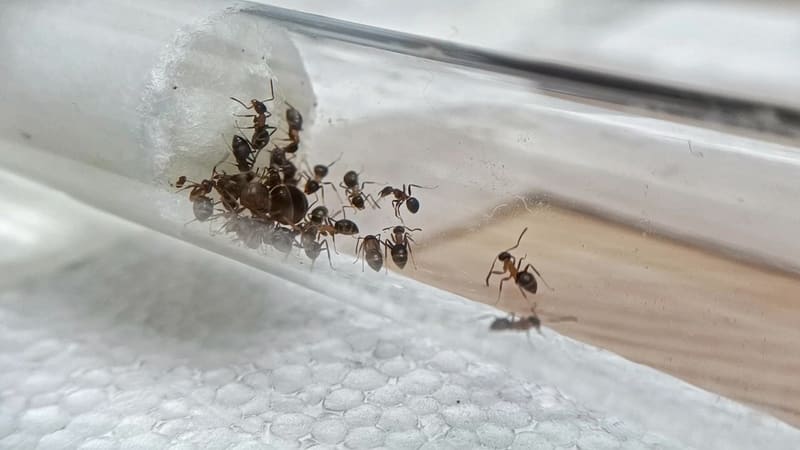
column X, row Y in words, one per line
column 311, row 187
column 535, row 321
column 319, row 214
column 413, row 205
column 504, row 256
column 273, row 177
column 181, row 181
column 398, row 230
column 259, row 106
column 321, row 171
column 351, row 178
column 357, row 201
column 237, row 141
column 388, row 190
column 500, row 323
column 289, row 170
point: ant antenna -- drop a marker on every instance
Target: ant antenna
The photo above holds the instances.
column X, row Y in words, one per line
column 336, row 160
column 518, row 241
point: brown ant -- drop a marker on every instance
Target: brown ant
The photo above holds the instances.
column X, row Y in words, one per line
column 525, row 280
column 295, row 121
column 369, row 249
column 401, row 197
column 230, row 187
column 261, row 131
column 400, row 249
column 243, row 153
column 200, row 189
column 315, row 182
column 202, row 204
column 309, row 236
column 355, row 193
column 294, row 118
column 258, row 105
column 331, row 227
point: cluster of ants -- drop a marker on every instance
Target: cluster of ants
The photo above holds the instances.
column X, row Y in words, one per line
column 268, row 205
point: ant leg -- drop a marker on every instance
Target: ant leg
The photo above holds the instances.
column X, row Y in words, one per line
column 418, row 186
column 242, row 103
column 347, row 206
column 411, row 254
column 334, row 190
column 491, row 271
column 272, row 92
column 386, row 246
column 540, row 275
column 358, row 243
column 375, row 204
column 500, row 291
column 518, row 240
column 396, row 204
column 329, row 254
column 367, row 182
column 333, row 238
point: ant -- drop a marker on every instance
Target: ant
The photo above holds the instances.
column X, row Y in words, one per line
column 369, row 248
column 295, row 121
column 230, row 187
column 202, row 204
column 243, row 153
column 261, row 131
column 355, row 193
column 400, row 248
column 401, row 197
column 282, row 239
column 309, row 234
column 331, row 227
column 525, row 280
column 315, row 182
